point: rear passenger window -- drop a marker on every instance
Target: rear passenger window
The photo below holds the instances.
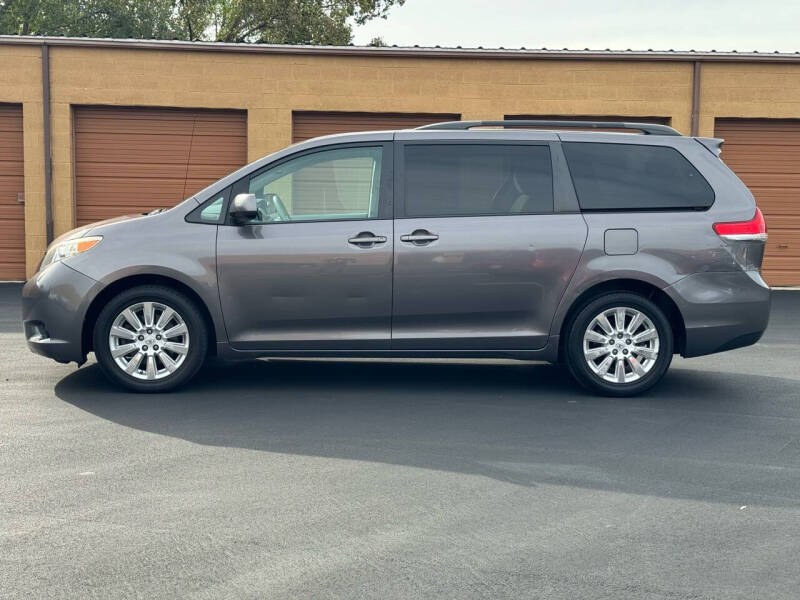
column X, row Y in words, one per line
column 447, row 180
column 635, row 177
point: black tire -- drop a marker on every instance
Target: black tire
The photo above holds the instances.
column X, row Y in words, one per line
column 197, row 336
column 574, row 351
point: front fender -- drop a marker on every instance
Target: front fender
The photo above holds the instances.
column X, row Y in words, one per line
column 169, row 247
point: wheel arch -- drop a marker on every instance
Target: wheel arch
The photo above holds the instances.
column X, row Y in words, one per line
column 124, row 283
column 636, row 286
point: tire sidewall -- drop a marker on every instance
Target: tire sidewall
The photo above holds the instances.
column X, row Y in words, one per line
column 577, row 362
column 198, row 337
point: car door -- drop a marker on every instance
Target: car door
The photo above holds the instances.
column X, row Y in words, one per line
column 485, row 243
column 313, row 271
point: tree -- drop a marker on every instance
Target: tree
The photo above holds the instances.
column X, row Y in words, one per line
column 93, row 18
column 266, row 21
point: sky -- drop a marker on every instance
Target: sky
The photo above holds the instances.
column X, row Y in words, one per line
column 723, row 25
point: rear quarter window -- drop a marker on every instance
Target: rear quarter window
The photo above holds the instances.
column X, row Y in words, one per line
column 635, row 177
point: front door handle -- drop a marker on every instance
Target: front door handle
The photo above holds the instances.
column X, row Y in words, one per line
column 366, row 239
column 419, row 237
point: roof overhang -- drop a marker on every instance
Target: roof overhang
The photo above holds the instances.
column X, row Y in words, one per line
column 407, row 52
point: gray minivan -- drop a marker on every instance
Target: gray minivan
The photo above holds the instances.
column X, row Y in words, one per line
column 531, row 240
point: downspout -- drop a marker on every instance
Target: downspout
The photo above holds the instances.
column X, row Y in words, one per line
column 48, row 161
column 696, row 99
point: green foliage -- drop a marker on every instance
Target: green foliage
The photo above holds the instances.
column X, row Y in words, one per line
column 267, row 21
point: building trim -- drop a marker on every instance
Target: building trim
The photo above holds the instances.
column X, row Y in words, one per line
column 408, row 52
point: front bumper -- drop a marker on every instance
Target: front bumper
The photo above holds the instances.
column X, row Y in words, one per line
column 54, row 304
column 721, row 311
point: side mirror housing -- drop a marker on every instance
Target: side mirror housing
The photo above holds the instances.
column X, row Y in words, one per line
column 244, row 208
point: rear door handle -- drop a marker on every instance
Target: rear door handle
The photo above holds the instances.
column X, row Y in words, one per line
column 420, row 237
column 366, row 239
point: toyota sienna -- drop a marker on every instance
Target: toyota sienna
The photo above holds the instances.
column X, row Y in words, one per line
column 532, row 240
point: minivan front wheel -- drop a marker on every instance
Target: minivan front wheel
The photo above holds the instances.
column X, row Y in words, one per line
column 619, row 344
column 150, row 339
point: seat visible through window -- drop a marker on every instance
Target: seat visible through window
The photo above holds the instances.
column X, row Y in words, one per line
column 480, row 179
column 525, row 190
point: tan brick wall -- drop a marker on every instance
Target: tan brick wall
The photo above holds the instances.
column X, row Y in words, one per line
column 20, row 83
column 748, row 90
column 270, row 87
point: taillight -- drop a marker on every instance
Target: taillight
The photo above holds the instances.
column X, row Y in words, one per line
column 754, row 230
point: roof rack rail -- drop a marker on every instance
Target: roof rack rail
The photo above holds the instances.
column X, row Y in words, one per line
column 645, row 128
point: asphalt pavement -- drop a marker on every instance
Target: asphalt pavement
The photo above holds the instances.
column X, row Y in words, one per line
column 402, row 479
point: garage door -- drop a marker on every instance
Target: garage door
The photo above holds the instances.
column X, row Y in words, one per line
column 765, row 154
column 306, row 125
column 12, row 217
column 130, row 160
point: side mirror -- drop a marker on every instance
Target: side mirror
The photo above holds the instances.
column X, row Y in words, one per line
column 244, row 208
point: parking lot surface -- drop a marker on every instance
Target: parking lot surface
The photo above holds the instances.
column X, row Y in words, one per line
column 396, row 479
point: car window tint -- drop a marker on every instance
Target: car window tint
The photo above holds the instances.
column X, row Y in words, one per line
column 635, row 177
column 467, row 180
column 338, row 184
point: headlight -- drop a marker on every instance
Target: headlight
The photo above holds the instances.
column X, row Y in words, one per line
column 65, row 249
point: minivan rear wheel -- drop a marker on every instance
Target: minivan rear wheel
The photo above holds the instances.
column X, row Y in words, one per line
column 150, row 339
column 619, row 344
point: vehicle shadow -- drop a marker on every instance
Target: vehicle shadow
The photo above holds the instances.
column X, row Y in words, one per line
column 695, row 436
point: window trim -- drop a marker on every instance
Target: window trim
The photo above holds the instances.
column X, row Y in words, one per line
column 657, row 209
column 400, row 170
column 194, row 214
column 385, row 192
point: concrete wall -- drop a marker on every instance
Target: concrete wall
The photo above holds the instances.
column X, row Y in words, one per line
column 271, row 86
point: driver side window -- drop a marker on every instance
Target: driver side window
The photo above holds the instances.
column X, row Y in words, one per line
column 337, row 184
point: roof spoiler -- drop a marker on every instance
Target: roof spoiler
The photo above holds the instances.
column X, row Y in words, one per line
column 645, row 128
column 713, row 144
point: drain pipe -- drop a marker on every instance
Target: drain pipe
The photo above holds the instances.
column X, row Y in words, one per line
column 696, row 99
column 48, row 161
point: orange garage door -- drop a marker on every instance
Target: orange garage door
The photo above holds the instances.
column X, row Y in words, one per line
column 130, row 160
column 12, row 217
column 765, row 154
column 306, row 125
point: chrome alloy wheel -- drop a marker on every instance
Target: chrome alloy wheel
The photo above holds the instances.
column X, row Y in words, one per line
column 621, row 344
column 149, row 340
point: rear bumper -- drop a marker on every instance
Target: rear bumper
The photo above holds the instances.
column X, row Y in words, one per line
column 54, row 304
column 721, row 311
